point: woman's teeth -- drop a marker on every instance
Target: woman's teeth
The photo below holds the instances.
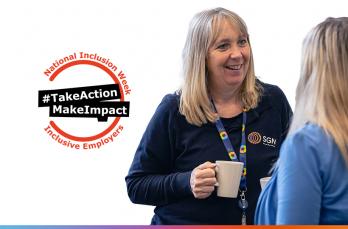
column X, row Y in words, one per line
column 234, row 67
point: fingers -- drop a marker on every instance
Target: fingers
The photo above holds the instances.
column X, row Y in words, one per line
column 207, row 165
column 204, row 189
column 202, row 195
column 201, row 192
column 203, row 180
column 205, row 173
column 206, row 170
column 206, row 182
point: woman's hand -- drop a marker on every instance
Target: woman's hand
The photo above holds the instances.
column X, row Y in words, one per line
column 203, row 180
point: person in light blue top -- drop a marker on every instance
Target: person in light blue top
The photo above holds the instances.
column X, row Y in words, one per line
column 309, row 184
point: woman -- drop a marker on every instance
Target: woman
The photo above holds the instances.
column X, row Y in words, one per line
column 310, row 182
column 173, row 167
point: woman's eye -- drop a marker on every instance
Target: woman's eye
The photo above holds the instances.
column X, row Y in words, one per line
column 223, row 46
column 242, row 42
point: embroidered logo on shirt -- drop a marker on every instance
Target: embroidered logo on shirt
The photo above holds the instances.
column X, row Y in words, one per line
column 268, row 141
column 255, row 138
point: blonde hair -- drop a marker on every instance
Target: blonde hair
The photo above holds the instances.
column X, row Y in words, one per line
column 203, row 31
column 322, row 91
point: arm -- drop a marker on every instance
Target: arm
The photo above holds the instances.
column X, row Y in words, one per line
column 150, row 179
column 299, row 182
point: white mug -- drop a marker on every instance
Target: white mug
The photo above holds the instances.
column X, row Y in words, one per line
column 264, row 181
column 228, row 174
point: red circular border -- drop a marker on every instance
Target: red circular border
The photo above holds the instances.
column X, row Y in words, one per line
column 112, row 125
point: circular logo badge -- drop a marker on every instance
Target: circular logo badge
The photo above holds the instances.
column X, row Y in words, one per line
column 254, row 138
column 86, row 108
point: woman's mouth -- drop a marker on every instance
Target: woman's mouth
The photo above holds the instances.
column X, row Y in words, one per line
column 234, row 67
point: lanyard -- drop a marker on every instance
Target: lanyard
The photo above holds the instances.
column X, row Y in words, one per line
column 243, row 204
column 230, row 150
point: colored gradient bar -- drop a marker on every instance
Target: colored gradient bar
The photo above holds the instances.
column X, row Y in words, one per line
column 172, row 227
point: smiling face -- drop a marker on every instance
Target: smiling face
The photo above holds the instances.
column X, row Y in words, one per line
column 228, row 58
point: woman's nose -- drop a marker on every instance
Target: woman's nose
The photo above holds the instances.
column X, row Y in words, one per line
column 235, row 53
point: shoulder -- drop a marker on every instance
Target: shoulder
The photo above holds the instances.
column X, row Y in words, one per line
column 301, row 155
column 167, row 110
column 273, row 96
column 304, row 143
column 311, row 134
column 270, row 90
column 170, row 103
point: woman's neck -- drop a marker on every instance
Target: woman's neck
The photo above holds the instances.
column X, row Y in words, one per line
column 228, row 104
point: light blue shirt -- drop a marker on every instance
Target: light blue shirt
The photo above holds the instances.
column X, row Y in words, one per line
column 309, row 184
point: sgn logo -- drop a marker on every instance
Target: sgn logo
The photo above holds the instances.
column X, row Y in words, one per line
column 256, row 138
column 269, row 141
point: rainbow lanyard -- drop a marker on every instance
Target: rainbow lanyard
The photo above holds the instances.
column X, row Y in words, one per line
column 243, row 204
column 230, row 150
